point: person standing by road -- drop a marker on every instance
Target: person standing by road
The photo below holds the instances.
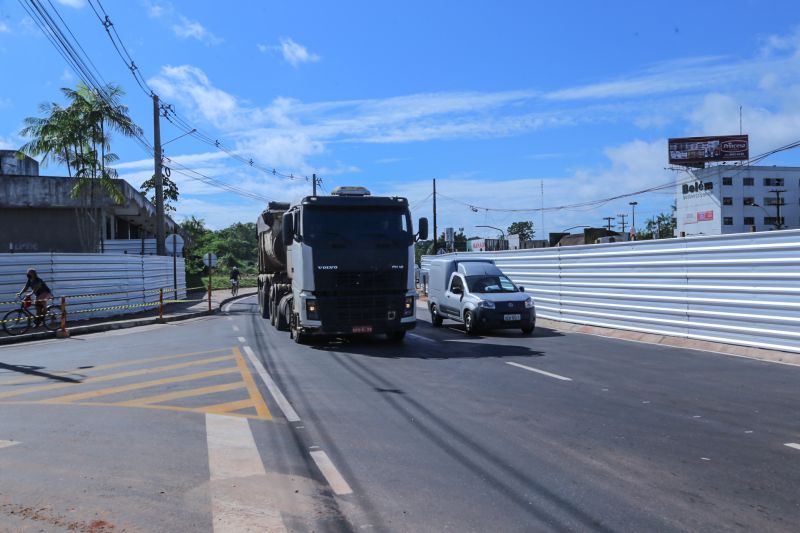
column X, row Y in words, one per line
column 39, row 289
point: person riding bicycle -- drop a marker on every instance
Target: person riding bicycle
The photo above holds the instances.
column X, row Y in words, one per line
column 39, row 288
column 234, row 277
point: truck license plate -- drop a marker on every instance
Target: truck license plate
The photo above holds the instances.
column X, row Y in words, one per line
column 362, row 329
column 512, row 318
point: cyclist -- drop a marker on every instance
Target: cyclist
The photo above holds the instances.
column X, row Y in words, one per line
column 39, row 288
column 234, row 280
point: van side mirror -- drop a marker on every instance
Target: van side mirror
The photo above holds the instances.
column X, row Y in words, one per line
column 457, row 290
column 422, row 226
column 287, row 231
column 521, row 288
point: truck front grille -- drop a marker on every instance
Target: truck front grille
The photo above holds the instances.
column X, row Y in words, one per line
column 348, row 311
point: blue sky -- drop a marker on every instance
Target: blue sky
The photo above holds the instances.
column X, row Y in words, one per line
column 490, row 98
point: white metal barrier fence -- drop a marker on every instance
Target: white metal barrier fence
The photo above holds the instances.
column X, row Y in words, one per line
column 740, row 289
column 95, row 285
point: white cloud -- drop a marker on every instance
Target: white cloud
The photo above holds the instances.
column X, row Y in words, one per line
column 67, row 75
column 4, row 27
column 295, row 54
column 77, row 4
column 191, row 29
column 157, row 9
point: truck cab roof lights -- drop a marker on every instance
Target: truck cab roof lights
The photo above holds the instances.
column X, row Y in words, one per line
column 350, row 191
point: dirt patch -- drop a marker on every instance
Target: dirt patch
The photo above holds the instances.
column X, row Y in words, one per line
column 47, row 516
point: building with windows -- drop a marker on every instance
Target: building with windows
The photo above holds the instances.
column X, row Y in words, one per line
column 737, row 199
column 40, row 213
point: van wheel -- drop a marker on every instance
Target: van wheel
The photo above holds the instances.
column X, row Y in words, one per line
column 469, row 323
column 527, row 330
column 436, row 318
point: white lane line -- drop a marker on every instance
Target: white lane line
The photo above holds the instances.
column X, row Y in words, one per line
column 241, row 339
column 235, row 328
column 277, row 395
column 7, row 443
column 332, row 475
column 563, row 378
column 232, row 454
column 793, row 445
column 230, row 318
column 422, row 338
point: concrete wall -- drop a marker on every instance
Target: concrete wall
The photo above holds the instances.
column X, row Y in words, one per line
column 10, row 165
column 38, row 230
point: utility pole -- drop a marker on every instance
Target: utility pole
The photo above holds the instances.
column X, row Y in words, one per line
column 778, row 192
column 434, row 216
column 313, row 184
column 160, row 244
column 608, row 221
column 633, row 217
column 623, row 216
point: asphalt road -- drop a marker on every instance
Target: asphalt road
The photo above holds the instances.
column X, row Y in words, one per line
column 224, row 424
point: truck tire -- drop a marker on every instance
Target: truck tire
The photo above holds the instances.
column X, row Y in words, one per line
column 470, row 324
column 436, row 318
column 263, row 303
column 282, row 314
column 273, row 312
column 298, row 336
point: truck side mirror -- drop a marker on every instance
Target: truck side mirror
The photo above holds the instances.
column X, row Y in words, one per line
column 423, row 229
column 287, row 231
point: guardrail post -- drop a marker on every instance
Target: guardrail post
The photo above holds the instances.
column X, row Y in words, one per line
column 161, row 304
column 62, row 332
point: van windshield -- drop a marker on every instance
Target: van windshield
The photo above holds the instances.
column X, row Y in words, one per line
column 487, row 284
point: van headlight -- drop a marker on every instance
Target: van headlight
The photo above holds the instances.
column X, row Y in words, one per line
column 529, row 303
column 486, row 304
column 312, row 311
column 408, row 307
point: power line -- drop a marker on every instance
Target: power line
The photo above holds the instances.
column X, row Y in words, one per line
column 168, row 110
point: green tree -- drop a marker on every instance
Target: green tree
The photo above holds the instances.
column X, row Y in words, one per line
column 661, row 226
column 79, row 136
column 171, row 192
column 523, row 228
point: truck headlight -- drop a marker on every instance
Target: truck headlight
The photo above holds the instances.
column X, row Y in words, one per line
column 312, row 311
column 529, row 303
column 487, row 304
column 408, row 308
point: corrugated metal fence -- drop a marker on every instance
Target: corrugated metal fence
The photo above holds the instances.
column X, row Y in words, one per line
column 740, row 289
column 95, row 285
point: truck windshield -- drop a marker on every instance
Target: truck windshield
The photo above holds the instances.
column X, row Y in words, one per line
column 486, row 284
column 353, row 226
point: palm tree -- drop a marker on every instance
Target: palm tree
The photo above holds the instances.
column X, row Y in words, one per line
column 79, row 136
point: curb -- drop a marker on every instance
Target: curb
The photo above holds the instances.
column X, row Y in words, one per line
column 121, row 324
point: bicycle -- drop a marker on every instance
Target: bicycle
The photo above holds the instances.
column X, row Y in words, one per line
column 234, row 287
column 18, row 321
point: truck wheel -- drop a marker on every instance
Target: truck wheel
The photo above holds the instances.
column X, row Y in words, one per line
column 281, row 314
column 436, row 318
column 263, row 303
column 272, row 305
column 470, row 324
column 396, row 336
column 298, row 336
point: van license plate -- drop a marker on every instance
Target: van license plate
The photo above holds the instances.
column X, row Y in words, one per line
column 512, row 318
column 362, row 329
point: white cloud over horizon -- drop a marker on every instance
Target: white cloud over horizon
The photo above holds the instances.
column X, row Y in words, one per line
column 191, row 29
column 293, row 53
column 696, row 95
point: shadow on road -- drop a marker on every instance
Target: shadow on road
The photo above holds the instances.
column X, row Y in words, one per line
column 379, row 347
column 36, row 371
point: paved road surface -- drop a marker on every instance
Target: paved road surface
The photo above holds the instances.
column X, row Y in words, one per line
column 223, row 424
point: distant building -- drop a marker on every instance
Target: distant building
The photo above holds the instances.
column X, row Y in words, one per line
column 588, row 236
column 737, row 199
column 39, row 214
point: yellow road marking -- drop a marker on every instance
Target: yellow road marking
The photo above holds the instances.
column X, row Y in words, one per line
column 255, row 395
column 111, row 377
column 227, row 408
column 158, row 398
column 112, row 404
column 69, row 398
column 32, row 379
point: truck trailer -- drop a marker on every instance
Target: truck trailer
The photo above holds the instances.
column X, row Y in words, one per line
column 338, row 265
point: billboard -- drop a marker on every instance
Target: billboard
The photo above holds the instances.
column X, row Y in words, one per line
column 695, row 151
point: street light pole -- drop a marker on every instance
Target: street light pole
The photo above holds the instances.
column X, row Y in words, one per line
column 633, row 218
column 502, row 233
